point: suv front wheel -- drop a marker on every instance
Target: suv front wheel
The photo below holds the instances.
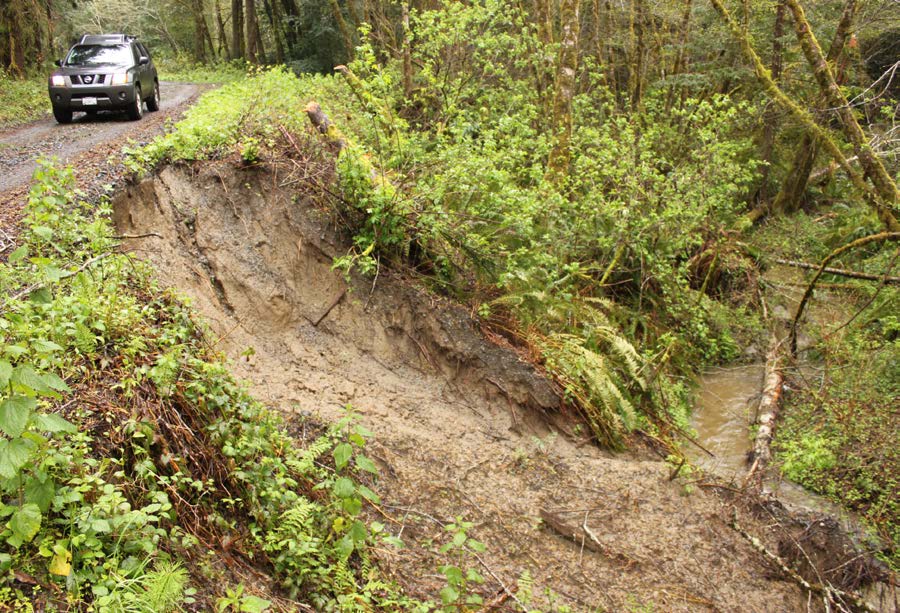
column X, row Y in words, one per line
column 62, row 115
column 153, row 101
column 136, row 111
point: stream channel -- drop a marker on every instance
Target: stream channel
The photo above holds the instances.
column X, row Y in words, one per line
column 727, row 398
column 725, row 408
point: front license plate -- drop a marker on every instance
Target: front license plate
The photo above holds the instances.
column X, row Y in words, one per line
column 89, row 101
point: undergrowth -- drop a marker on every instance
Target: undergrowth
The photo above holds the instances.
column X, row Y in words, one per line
column 183, row 69
column 22, row 99
column 840, row 416
column 128, row 451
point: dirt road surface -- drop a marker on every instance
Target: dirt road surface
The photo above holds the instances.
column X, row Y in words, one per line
column 91, row 144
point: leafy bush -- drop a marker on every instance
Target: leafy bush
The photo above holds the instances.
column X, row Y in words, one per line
column 92, row 499
column 462, row 191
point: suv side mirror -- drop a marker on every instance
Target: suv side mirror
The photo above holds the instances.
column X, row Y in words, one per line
column 144, row 60
column 57, row 62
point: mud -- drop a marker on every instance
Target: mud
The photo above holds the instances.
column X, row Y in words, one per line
column 462, row 426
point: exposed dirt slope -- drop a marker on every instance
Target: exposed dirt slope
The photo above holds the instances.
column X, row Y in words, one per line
column 462, row 426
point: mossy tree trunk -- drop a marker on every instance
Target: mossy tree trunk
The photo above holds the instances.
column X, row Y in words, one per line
column 886, row 193
column 224, row 49
column 827, row 140
column 564, row 92
column 343, row 28
column 770, row 119
column 790, row 195
column 679, row 65
column 199, row 26
column 252, row 28
column 237, row 29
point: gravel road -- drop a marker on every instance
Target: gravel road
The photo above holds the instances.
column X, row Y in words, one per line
column 91, row 144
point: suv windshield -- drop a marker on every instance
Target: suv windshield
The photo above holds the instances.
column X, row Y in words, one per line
column 97, row 55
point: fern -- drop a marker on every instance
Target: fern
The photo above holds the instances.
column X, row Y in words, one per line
column 159, row 591
column 164, row 587
column 595, row 380
column 305, row 464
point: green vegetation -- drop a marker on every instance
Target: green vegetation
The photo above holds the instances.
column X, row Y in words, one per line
column 128, row 450
column 839, row 435
column 183, row 69
column 22, row 100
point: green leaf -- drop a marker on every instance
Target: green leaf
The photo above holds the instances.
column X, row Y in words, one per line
column 14, row 413
column 14, row 455
column 368, row 494
column 364, row 463
column 344, row 488
column 476, row 545
column 51, row 422
column 41, row 295
column 15, row 351
column 345, row 546
column 45, row 346
column 357, row 440
column 254, row 604
column 449, row 595
column 101, row 526
column 358, row 532
column 5, row 373
column 56, row 382
column 18, row 255
column 342, row 455
column 395, row 541
column 40, row 492
column 25, row 376
column 352, row 506
column 43, row 231
column 24, row 524
column 453, row 573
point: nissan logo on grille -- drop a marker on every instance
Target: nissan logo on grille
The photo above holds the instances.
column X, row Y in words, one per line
column 88, row 78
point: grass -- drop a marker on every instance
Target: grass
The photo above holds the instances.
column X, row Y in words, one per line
column 22, row 99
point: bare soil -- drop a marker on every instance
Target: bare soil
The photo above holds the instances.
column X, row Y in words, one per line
column 463, row 427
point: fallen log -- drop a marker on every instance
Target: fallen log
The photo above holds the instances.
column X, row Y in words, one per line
column 831, row 594
column 841, row 272
column 766, row 414
column 583, row 536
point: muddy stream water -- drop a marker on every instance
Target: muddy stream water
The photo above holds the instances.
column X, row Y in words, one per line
column 724, row 411
column 727, row 398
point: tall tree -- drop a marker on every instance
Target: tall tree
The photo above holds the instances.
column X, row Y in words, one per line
column 570, row 25
column 237, row 29
column 794, row 184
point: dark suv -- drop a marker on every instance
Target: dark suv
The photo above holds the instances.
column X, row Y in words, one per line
column 105, row 72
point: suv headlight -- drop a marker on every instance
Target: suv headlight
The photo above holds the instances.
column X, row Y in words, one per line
column 58, row 80
column 121, row 78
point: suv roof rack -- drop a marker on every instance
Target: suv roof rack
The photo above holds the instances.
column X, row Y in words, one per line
column 105, row 39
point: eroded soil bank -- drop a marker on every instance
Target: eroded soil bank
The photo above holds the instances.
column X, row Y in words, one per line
column 462, row 426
